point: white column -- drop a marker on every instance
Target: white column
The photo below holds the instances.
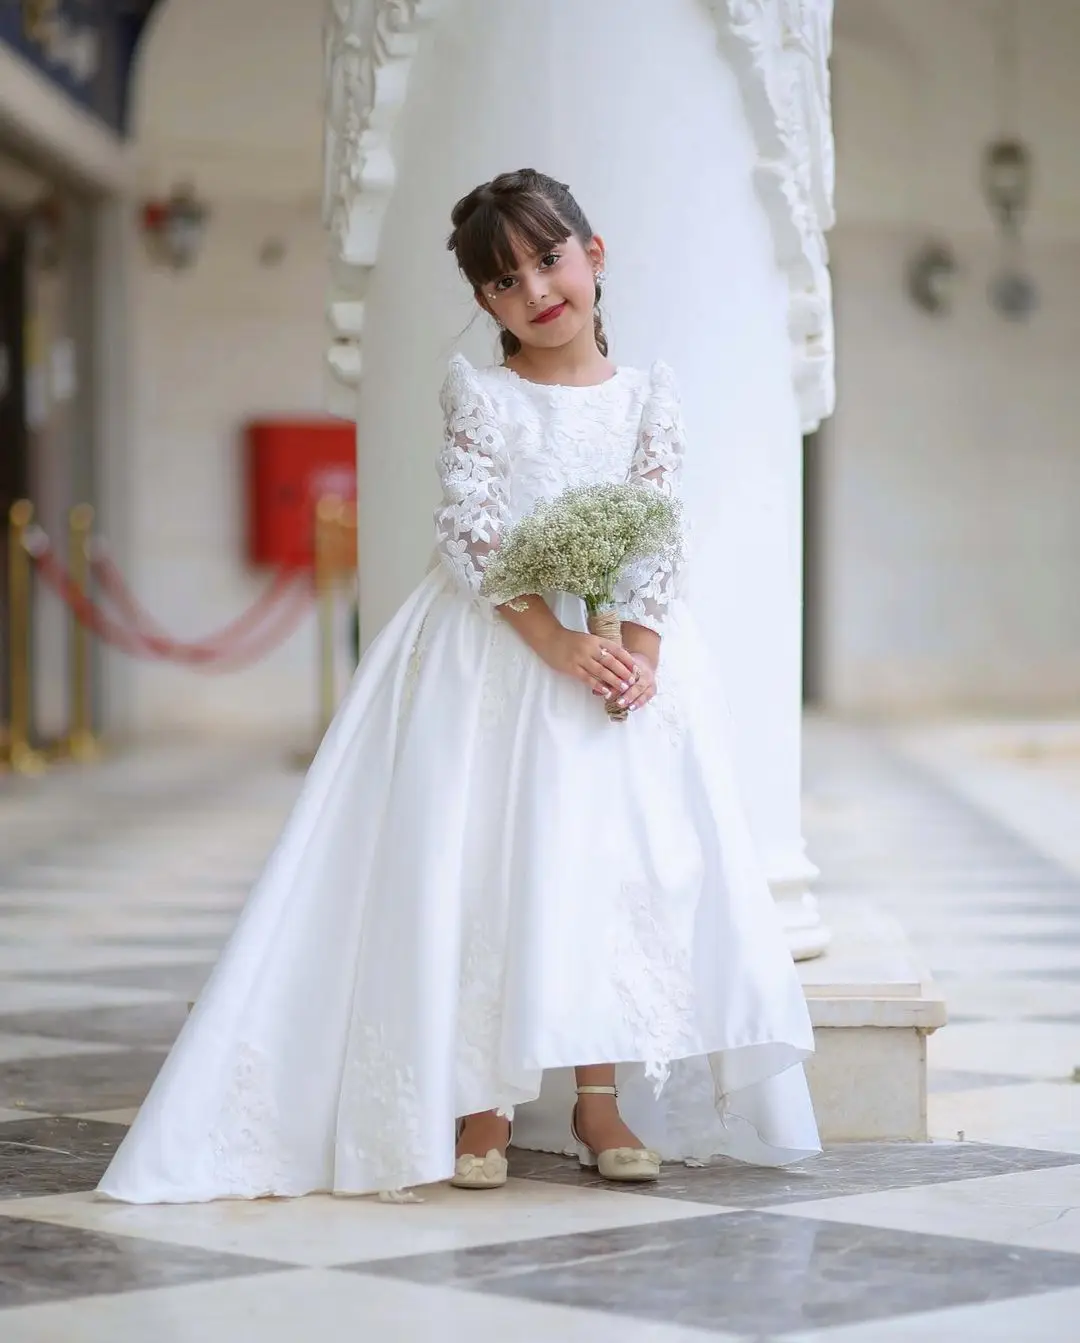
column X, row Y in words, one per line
column 690, row 133
column 114, row 245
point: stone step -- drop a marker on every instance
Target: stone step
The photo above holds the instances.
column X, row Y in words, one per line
column 873, row 1005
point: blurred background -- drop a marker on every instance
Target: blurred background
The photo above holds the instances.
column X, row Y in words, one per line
column 942, row 528
column 160, row 293
column 162, row 271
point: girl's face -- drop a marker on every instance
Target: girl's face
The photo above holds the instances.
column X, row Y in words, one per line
column 548, row 299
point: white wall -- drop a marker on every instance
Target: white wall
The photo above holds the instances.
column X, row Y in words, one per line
column 229, row 98
column 211, row 348
column 950, row 538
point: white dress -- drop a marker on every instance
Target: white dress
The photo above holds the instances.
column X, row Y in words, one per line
column 485, row 882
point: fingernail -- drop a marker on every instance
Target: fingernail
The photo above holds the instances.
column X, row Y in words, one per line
column 622, row 703
column 607, row 694
column 626, row 685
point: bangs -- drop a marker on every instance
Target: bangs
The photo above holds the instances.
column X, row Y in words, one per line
column 497, row 232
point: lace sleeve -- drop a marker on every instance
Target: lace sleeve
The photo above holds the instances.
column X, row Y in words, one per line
column 647, row 589
column 473, row 470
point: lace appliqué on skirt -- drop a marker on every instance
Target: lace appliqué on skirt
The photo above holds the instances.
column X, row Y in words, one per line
column 380, row 1108
column 480, row 1019
column 654, row 978
column 412, row 672
column 503, row 677
column 248, row 1150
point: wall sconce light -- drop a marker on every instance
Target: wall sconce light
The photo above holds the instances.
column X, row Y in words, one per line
column 1006, row 182
column 931, row 278
column 1013, row 294
column 1007, row 172
column 175, row 228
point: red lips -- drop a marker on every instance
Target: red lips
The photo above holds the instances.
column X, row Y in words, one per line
column 549, row 314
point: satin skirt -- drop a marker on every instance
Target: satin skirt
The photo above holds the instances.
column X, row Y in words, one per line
column 484, row 883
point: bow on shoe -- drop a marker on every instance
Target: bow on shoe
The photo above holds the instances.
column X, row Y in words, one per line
column 489, row 1167
column 630, row 1156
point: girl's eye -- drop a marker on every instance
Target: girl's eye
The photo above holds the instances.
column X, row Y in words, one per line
column 550, row 260
column 501, row 286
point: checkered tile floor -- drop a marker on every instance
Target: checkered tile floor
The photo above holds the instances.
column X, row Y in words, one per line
column 116, row 889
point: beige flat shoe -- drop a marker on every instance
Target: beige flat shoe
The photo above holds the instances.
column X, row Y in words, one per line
column 481, row 1172
column 476, row 1172
column 623, row 1164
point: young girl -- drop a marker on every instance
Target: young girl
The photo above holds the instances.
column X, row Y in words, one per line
column 491, row 902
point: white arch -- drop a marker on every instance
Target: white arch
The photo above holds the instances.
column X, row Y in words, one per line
column 231, row 93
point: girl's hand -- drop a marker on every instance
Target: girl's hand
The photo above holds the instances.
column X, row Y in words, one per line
column 605, row 667
column 642, row 683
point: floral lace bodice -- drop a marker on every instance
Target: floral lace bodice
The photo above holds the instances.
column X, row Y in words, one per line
column 510, row 443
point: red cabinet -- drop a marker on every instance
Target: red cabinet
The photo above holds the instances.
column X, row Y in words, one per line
column 291, row 464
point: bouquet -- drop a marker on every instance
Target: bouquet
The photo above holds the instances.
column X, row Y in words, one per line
column 582, row 542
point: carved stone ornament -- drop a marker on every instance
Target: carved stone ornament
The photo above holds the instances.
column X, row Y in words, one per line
column 369, row 47
column 780, row 52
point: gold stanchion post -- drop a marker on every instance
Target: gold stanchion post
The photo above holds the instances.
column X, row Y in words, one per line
column 81, row 743
column 335, row 543
column 21, row 755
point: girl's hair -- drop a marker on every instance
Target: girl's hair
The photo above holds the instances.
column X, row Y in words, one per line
column 522, row 209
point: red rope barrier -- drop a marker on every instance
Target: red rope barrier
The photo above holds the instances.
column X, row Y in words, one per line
column 291, row 599
column 157, row 637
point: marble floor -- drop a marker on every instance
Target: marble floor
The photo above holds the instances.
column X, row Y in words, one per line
column 118, row 885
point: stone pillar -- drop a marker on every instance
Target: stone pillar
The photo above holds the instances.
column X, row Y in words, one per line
column 696, row 135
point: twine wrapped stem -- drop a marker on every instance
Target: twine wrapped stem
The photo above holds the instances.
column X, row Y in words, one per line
column 605, row 624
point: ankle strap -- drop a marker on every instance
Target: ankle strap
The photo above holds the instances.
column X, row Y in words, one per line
column 598, row 1091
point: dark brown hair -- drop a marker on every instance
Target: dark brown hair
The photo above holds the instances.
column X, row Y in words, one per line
column 519, row 209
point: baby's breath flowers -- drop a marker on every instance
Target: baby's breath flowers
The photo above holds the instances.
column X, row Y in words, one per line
column 581, row 542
